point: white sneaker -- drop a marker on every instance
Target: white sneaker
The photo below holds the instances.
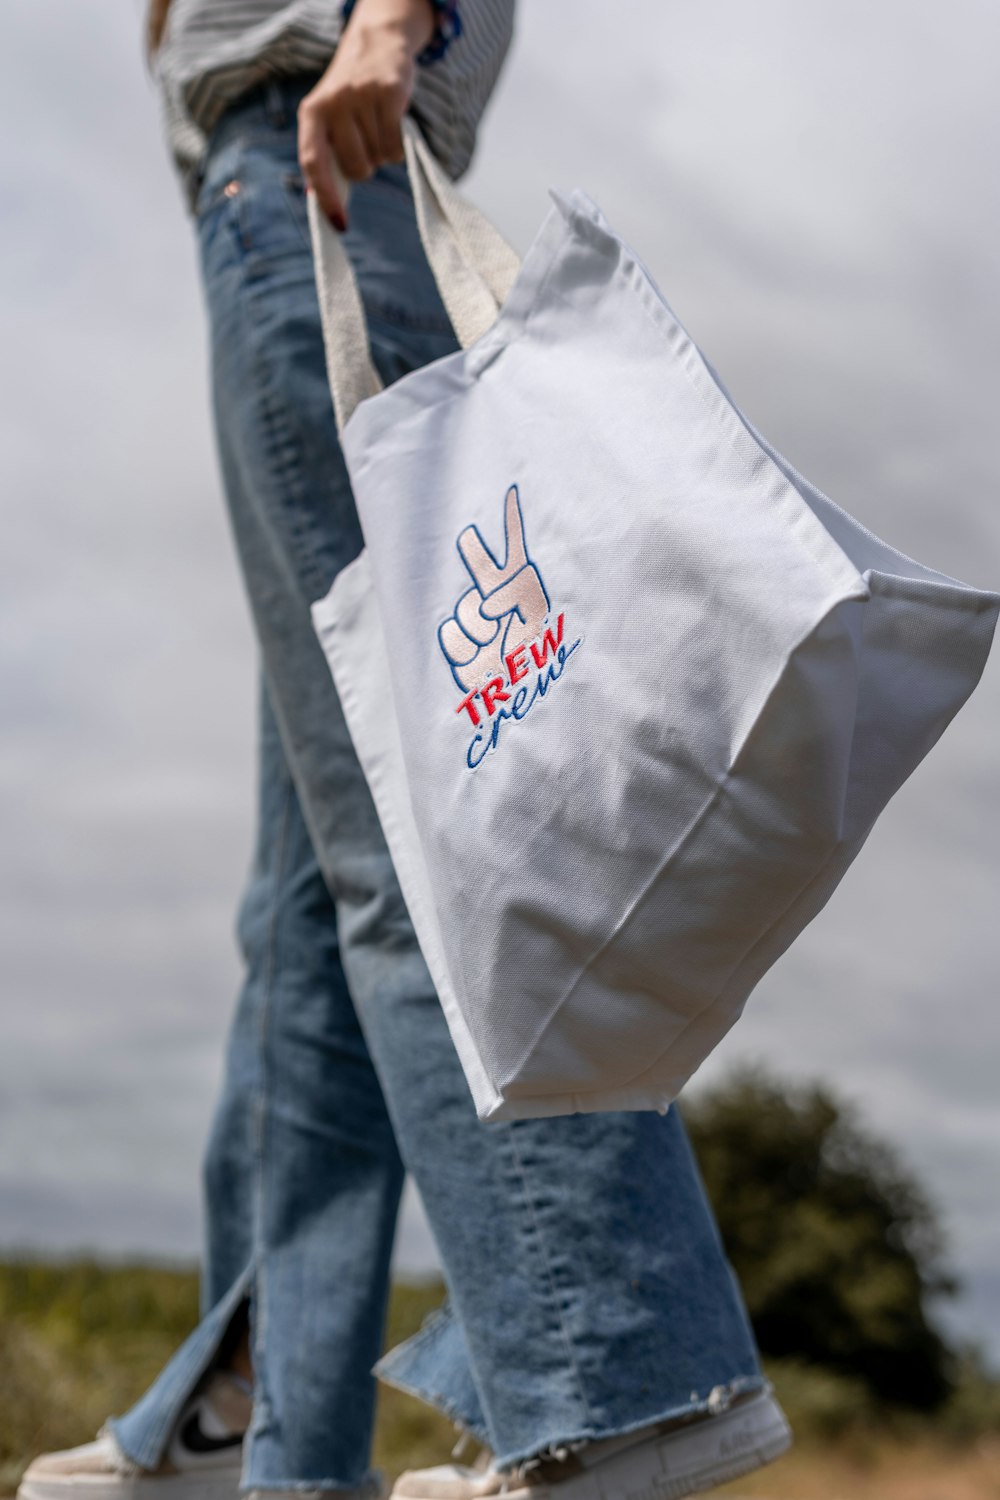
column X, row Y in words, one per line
column 664, row 1462
column 202, row 1462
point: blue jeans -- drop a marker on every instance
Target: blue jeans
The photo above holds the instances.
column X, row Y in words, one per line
column 588, row 1293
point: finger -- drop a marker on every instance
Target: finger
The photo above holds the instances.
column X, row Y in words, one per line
column 479, row 560
column 367, row 121
column 349, row 145
column 318, row 168
column 471, row 619
column 513, row 526
column 523, row 593
column 390, row 130
column 456, row 645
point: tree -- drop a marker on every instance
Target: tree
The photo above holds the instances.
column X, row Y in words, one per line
column 837, row 1247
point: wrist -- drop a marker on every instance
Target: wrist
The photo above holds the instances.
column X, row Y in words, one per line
column 428, row 27
column 414, row 22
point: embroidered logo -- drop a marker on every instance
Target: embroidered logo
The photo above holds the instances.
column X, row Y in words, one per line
column 503, row 650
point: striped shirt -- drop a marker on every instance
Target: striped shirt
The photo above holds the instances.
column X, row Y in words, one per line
column 212, row 51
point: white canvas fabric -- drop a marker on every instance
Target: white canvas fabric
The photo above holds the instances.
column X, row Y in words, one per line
column 629, row 692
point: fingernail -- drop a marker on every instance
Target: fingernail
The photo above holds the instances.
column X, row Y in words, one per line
column 339, row 222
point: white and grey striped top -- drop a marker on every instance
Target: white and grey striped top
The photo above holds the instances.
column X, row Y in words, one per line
column 214, row 50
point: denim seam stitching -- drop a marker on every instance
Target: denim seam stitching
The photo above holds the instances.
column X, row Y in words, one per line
column 261, row 1117
column 549, row 1278
column 289, row 474
column 286, row 466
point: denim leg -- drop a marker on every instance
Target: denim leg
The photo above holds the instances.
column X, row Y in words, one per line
column 584, row 1267
column 302, row 1180
column 328, row 1173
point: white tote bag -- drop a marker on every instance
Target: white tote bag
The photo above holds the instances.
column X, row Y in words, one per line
column 629, row 692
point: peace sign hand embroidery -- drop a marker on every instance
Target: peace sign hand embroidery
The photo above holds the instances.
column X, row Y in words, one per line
column 505, row 609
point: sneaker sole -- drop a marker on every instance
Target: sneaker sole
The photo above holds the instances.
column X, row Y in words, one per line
column 217, row 1484
column 685, row 1462
column 713, row 1452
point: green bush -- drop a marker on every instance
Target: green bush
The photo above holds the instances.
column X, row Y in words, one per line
column 838, row 1250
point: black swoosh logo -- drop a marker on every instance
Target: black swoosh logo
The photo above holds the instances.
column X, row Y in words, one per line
column 197, row 1441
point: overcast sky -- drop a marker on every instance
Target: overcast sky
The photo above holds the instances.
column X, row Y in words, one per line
column 815, row 189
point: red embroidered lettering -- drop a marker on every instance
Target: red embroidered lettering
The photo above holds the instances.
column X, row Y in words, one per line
column 493, row 694
column 516, row 667
column 548, row 643
column 469, row 705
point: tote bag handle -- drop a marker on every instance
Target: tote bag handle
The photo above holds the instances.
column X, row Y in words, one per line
column 472, row 264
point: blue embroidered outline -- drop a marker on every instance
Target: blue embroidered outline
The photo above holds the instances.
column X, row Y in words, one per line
column 488, row 735
column 519, row 710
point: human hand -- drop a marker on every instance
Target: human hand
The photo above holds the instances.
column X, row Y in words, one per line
column 353, row 117
column 505, row 609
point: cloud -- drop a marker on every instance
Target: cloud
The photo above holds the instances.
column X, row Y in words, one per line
column 809, row 187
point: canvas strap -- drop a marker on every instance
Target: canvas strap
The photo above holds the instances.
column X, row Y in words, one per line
column 472, row 264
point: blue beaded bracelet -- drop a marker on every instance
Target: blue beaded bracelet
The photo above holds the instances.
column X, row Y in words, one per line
column 448, row 27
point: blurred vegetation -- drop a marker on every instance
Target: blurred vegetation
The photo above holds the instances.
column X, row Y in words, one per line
column 80, row 1340
column 838, row 1250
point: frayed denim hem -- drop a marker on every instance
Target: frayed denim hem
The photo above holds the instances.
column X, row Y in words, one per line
column 440, row 1403
column 714, row 1403
column 434, row 1356
column 424, row 1362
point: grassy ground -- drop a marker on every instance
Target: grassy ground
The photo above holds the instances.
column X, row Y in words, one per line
column 82, row 1340
column 920, row 1470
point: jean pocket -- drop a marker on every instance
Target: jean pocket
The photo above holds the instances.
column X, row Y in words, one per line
column 215, row 195
column 222, row 179
column 271, row 210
